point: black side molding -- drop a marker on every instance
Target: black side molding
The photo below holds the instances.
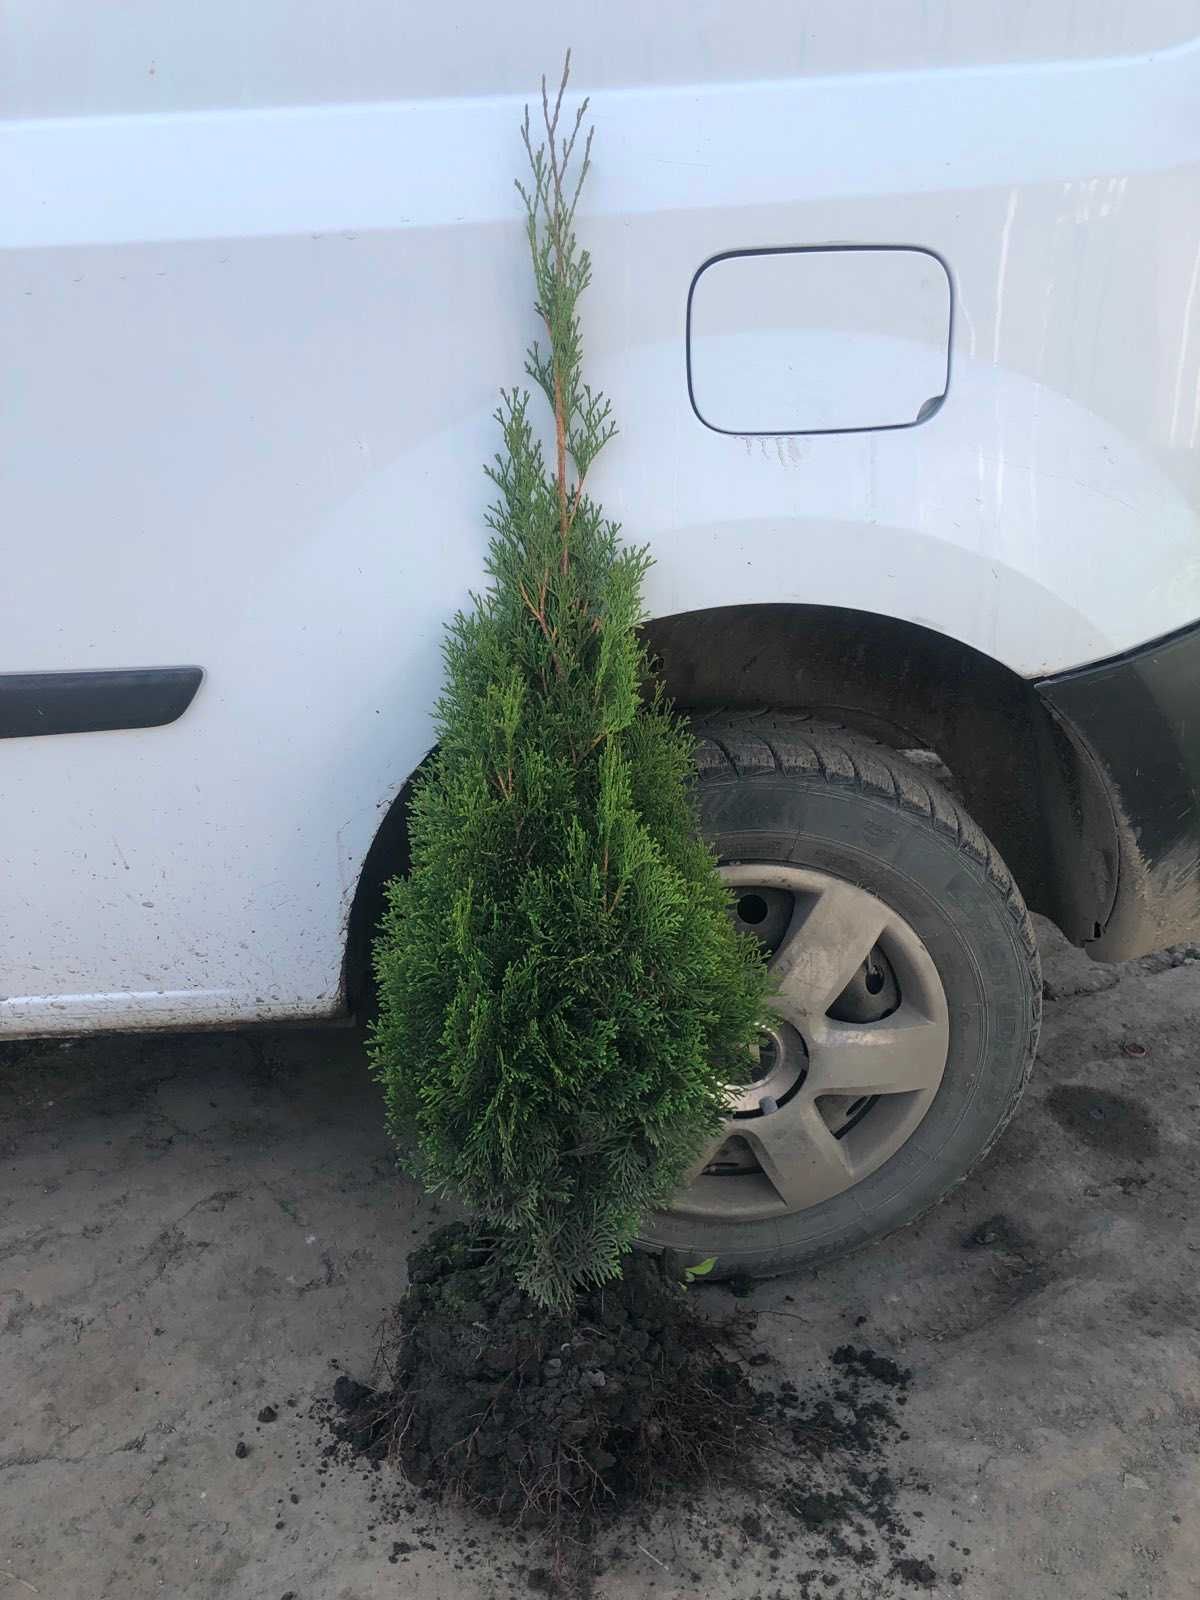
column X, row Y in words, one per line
column 36, row 703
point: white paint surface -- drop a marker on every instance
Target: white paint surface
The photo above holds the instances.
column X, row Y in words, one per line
column 256, row 305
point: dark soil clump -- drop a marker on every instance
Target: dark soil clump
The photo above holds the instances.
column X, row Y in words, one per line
column 868, row 1364
column 547, row 1419
column 913, row 1570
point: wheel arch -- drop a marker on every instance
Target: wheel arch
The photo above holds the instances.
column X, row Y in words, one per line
column 387, row 858
column 1029, row 783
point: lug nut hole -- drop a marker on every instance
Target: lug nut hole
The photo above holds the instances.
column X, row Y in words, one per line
column 751, row 909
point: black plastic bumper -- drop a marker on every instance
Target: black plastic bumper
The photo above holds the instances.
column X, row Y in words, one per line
column 1138, row 715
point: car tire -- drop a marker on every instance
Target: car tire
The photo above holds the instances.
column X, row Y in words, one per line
column 829, row 825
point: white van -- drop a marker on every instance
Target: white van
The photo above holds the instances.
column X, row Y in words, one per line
column 899, row 308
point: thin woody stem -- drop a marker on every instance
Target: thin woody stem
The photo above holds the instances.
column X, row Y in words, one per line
column 558, row 223
column 576, row 497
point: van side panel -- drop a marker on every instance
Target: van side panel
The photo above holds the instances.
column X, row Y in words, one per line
column 260, row 284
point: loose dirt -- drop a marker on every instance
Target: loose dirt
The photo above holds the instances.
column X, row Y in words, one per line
column 573, row 1428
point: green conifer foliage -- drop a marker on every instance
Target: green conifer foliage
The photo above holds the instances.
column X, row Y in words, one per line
column 563, row 998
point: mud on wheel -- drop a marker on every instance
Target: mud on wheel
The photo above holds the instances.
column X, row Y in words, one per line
column 908, row 996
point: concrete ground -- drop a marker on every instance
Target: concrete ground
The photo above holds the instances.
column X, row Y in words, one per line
column 194, row 1229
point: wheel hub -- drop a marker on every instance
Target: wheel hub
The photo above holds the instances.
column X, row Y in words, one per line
column 849, row 1065
column 780, row 1069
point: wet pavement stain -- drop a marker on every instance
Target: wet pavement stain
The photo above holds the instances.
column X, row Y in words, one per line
column 1114, row 1123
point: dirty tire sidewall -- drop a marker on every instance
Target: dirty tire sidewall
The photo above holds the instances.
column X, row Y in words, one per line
column 974, row 926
